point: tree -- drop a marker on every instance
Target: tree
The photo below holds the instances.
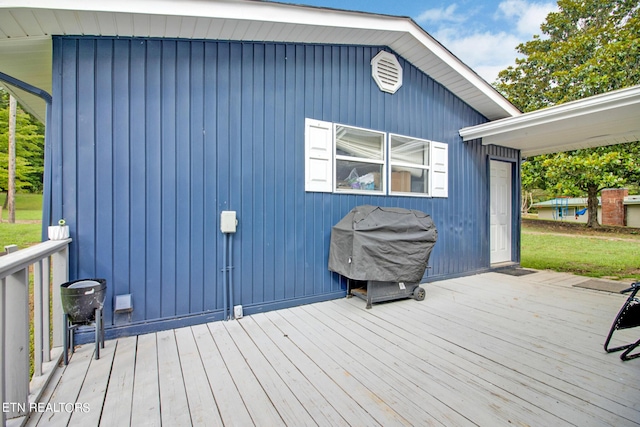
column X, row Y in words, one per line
column 11, row 154
column 589, row 47
column 592, row 47
column 591, row 170
column 29, row 148
column 532, row 179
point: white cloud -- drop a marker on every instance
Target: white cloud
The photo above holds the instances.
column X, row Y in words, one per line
column 486, row 53
column 528, row 16
column 441, row 14
column 484, row 39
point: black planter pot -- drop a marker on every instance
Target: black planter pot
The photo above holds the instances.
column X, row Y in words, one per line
column 80, row 299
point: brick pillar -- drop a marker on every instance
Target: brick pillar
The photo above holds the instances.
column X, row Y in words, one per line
column 613, row 206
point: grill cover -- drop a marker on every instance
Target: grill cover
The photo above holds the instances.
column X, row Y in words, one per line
column 382, row 244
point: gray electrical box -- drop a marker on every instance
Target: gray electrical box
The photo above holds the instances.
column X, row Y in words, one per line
column 228, row 221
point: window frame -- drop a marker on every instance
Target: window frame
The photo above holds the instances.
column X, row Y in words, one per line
column 321, row 162
column 426, row 168
column 381, row 162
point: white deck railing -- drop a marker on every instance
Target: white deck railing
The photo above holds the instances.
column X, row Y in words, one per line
column 48, row 265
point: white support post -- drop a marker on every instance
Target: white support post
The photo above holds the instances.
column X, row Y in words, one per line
column 60, row 275
column 16, row 362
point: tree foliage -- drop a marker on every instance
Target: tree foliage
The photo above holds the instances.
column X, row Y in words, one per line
column 588, row 171
column 532, row 179
column 29, row 148
column 588, row 47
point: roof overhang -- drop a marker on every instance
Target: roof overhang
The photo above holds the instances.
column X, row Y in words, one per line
column 607, row 119
column 27, row 26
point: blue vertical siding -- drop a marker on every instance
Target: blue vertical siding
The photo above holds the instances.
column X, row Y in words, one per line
column 153, row 138
column 120, row 222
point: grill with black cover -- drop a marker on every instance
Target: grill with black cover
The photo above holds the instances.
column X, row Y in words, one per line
column 383, row 251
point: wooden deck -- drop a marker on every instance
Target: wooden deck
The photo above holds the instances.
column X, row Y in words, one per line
column 485, row 350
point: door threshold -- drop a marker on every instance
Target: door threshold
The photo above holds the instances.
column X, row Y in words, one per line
column 504, row 264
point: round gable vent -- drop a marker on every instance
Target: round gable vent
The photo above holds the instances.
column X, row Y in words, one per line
column 386, row 71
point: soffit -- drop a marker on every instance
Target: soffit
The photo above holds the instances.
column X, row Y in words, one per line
column 38, row 20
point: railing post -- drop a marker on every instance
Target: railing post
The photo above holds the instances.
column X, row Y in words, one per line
column 16, row 351
column 46, row 309
column 38, row 330
column 60, row 262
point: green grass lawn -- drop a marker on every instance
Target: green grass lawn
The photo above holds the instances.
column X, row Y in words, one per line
column 23, row 235
column 586, row 255
column 27, row 229
column 24, row 202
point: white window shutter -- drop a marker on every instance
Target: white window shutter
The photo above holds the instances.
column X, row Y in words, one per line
column 439, row 169
column 318, row 153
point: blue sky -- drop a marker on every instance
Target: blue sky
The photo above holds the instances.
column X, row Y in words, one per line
column 483, row 34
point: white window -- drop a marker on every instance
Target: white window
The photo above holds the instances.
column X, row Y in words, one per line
column 359, row 155
column 409, row 160
column 346, row 159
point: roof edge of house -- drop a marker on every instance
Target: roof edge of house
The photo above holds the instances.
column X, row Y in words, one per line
column 401, row 34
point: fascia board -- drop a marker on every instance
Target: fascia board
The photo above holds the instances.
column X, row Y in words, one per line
column 223, row 9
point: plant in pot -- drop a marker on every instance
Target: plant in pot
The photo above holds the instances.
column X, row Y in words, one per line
column 58, row 232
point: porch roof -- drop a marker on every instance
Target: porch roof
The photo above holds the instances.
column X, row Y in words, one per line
column 26, row 30
column 607, row 119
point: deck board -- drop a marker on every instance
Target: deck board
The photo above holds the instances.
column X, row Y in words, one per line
column 532, row 328
column 489, row 349
column 313, row 345
column 174, row 407
column 145, row 407
column 468, row 366
column 94, row 387
column 227, row 398
column 253, row 395
column 339, row 399
column 558, row 354
column 450, row 385
column 283, row 399
column 301, row 386
column 67, row 388
column 199, row 393
column 118, row 401
column 464, row 338
column 409, row 395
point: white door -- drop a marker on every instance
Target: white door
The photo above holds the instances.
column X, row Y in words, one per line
column 500, row 211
